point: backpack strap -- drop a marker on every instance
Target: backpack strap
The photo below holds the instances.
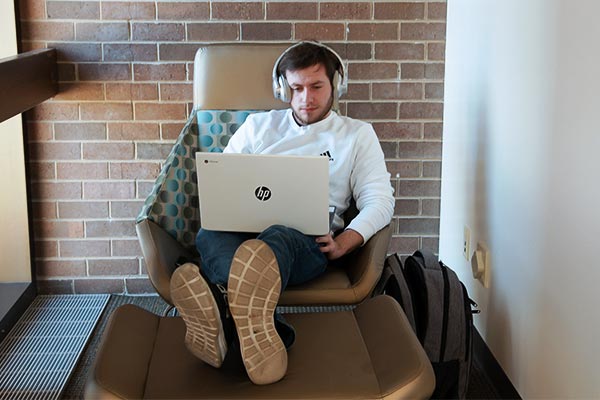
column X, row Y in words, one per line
column 393, row 283
column 383, row 281
column 395, row 264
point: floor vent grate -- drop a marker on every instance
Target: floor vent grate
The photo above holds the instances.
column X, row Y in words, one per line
column 39, row 353
column 313, row 309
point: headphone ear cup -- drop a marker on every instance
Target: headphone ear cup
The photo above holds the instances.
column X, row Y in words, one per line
column 335, row 86
column 340, row 85
column 285, row 92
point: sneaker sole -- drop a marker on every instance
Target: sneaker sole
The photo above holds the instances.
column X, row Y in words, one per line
column 204, row 337
column 253, row 291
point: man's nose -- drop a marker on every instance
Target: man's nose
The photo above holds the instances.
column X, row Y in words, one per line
column 307, row 95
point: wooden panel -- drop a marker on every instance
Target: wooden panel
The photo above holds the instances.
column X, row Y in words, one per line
column 26, row 80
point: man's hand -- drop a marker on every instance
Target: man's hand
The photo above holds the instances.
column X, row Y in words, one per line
column 343, row 244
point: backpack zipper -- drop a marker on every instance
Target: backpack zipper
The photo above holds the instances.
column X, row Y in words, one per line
column 446, row 311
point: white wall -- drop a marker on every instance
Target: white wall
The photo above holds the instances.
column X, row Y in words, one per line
column 520, row 168
column 14, row 232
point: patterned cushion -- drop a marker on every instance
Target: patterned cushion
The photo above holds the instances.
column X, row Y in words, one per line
column 216, row 127
column 173, row 201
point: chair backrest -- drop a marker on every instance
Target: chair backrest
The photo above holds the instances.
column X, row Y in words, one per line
column 236, row 77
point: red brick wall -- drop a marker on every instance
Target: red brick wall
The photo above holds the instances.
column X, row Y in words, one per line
column 126, row 90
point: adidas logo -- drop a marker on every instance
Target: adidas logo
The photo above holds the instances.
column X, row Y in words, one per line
column 327, row 154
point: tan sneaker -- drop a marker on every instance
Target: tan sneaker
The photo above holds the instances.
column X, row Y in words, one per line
column 204, row 336
column 253, row 291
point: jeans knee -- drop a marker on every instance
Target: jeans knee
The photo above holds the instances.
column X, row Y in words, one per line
column 277, row 229
column 280, row 234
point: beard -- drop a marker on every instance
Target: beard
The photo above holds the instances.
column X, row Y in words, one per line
column 311, row 119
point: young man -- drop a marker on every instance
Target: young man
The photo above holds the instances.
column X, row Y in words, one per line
column 256, row 268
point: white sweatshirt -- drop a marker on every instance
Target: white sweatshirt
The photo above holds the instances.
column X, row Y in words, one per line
column 356, row 162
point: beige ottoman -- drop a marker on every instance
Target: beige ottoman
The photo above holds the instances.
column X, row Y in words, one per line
column 368, row 353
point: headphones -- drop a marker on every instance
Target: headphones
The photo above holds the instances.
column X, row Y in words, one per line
column 281, row 88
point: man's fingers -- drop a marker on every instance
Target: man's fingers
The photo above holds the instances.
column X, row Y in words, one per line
column 325, row 243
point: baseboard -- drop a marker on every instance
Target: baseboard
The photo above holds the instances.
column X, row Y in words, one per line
column 492, row 370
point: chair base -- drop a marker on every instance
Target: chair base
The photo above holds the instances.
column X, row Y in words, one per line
column 368, row 353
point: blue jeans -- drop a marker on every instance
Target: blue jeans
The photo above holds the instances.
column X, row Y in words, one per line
column 298, row 256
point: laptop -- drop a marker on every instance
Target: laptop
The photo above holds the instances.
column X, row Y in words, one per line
column 250, row 192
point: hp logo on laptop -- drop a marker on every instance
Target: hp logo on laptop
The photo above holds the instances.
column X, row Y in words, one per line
column 262, row 193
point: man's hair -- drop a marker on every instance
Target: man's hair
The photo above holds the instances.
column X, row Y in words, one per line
column 306, row 55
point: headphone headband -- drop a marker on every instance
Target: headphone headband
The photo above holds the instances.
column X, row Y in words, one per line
column 281, row 88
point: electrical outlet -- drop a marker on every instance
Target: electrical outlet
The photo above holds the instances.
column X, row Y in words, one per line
column 467, row 243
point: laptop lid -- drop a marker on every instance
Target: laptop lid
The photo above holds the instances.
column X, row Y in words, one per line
column 250, row 192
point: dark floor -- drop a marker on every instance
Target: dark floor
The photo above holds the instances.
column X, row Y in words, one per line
column 479, row 386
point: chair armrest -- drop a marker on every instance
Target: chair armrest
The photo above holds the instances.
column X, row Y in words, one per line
column 161, row 252
column 350, row 281
column 365, row 264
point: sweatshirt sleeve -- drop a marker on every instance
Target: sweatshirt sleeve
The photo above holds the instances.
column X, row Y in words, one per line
column 371, row 188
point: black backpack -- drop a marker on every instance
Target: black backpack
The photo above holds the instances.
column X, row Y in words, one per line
column 440, row 311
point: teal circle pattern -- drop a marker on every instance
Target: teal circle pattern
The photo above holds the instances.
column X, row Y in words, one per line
column 172, row 185
column 172, row 210
column 205, row 117
column 173, row 202
column 189, row 164
column 180, row 150
column 215, row 131
column 167, row 201
column 225, row 117
column 164, row 197
column 157, row 208
column 188, row 140
column 241, row 116
column 206, row 141
column 189, row 188
column 188, row 212
column 181, row 174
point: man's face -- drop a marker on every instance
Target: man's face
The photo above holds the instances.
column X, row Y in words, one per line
column 311, row 94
